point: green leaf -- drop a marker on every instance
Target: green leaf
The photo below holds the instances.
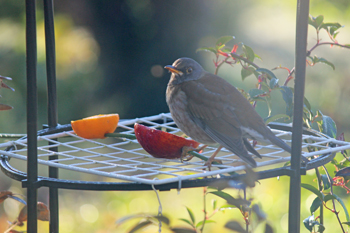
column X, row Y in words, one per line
column 182, row 230
column 273, row 82
column 344, row 172
column 268, row 228
column 249, row 53
column 313, row 189
column 316, row 22
column 328, row 126
column 329, row 197
column 316, row 59
column 289, row 110
column 231, row 200
column 235, row 226
column 257, row 56
column 315, row 205
column 205, row 221
column 344, row 207
column 269, row 73
column 326, row 184
column 140, row 226
column 276, row 117
column 346, row 223
column 227, row 197
column 223, row 40
column 162, row 219
column 127, row 218
column 332, row 30
column 335, row 25
column 259, row 213
column 214, row 203
column 268, row 103
column 319, row 20
column 310, row 222
column 207, row 49
column 321, row 228
column 227, row 206
column 287, row 95
column 307, row 104
column 246, row 72
column 186, row 221
column 255, row 92
column 190, row 213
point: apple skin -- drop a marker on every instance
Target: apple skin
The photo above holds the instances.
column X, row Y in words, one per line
column 161, row 144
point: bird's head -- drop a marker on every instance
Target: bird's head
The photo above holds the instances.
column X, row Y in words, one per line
column 185, row 69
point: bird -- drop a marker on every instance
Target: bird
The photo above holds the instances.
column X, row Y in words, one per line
column 210, row 110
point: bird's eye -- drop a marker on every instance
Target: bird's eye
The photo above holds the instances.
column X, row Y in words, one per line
column 189, row 70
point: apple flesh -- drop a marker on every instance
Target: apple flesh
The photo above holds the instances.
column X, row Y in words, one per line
column 161, row 144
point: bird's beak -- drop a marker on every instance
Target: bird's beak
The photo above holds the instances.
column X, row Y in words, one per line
column 173, row 70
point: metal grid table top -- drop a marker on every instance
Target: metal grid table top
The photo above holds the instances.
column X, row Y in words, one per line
column 125, row 160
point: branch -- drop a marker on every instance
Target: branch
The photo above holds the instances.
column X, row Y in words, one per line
column 204, row 207
column 219, row 64
column 334, row 209
column 326, row 43
column 234, row 55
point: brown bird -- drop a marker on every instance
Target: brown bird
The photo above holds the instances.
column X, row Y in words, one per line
column 210, row 110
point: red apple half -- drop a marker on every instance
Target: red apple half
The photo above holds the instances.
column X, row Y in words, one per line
column 161, row 144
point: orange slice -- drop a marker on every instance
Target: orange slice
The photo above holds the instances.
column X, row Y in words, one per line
column 95, row 126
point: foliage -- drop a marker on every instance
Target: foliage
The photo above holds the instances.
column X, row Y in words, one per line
column 43, row 213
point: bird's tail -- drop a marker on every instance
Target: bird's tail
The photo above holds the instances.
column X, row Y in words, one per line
column 280, row 143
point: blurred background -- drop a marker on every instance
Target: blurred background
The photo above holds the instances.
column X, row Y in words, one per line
column 110, row 59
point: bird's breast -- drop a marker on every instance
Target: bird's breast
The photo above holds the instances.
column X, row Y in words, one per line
column 177, row 102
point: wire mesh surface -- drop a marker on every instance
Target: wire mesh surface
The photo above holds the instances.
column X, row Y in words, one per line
column 125, row 159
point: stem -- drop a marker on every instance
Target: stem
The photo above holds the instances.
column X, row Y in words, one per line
column 289, row 76
column 334, row 209
column 234, row 55
column 247, row 220
column 326, row 43
column 4, row 135
column 319, row 181
column 259, row 87
column 121, row 135
column 204, row 207
column 220, row 64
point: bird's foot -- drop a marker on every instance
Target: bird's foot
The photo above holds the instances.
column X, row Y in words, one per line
column 211, row 161
column 212, row 158
column 184, row 154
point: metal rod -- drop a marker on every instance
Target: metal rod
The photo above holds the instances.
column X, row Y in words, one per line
column 52, row 104
column 32, row 165
column 299, row 86
column 50, row 62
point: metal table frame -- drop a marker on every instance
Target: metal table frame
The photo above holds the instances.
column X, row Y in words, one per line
column 32, row 181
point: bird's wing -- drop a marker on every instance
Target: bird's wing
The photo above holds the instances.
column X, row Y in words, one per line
column 211, row 108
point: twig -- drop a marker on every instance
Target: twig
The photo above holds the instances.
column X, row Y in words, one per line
column 326, row 43
column 204, row 207
column 289, row 76
column 234, row 55
column 334, row 208
column 219, row 64
column 319, row 181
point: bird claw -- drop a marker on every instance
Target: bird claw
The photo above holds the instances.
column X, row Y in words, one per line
column 184, row 154
column 210, row 161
